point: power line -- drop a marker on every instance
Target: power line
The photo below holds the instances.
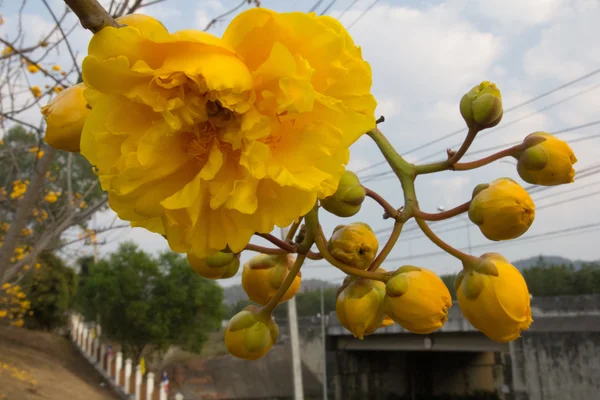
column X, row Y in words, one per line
column 328, row 7
column 383, row 174
column 315, row 6
column 363, row 14
column 535, row 98
column 557, row 233
column 583, row 174
column 347, row 8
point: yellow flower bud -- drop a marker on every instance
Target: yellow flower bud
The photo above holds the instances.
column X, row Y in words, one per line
column 218, row 266
column 417, row 299
column 494, row 297
column 250, row 335
column 547, row 163
column 348, row 197
column 36, row 91
column 502, row 209
column 33, row 68
column 359, row 307
column 264, row 274
column 481, row 107
column 354, row 244
column 65, row 117
column 56, row 67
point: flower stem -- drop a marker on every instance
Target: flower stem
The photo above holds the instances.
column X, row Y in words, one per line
column 487, row 160
column 464, row 147
column 403, row 169
column 293, row 229
column 389, row 245
column 443, row 215
column 264, row 250
column 289, row 279
column 465, row 258
column 389, row 210
column 289, row 248
column 312, row 225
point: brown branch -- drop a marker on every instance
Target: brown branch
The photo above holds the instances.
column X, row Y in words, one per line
column 389, row 210
column 91, row 14
column 264, row 250
column 487, row 160
column 444, row 214
column 216, row 19
column 278, row 242
column 453, row 159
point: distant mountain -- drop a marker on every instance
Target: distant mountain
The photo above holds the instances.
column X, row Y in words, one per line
column 548, row 260
column 235, row 293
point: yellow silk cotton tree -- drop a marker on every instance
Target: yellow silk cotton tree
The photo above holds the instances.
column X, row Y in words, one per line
column 209, row 141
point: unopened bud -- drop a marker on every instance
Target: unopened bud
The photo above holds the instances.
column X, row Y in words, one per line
column 264, row 274
column 354, row 244
column 481, row 107
column 348, row 198
column 549, row 162
column 503, row 210
column 65, row 116
column 217, row 266
column 359, row 307
column 249, row 335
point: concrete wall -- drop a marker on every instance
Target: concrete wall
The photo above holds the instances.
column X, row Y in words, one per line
column 560, row 366
column 383, row 375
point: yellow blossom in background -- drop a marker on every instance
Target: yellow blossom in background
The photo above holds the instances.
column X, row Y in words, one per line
column 5, row 226
column 33, row 68
column 26, row 231
column 3, row 313
column 58, row 89
column 256, row 125
column 56, row 67
column 52, row 197
column 36, row 91
column 7, row 50
column 38, row 265
column 19, row 189
column 83, row 204
column 63, row 73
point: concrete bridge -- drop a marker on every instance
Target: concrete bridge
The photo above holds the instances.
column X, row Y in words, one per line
column 558, row 358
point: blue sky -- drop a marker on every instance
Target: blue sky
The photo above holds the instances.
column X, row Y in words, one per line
column 424, row 56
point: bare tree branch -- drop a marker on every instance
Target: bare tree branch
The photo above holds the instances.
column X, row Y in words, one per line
column 91, row 14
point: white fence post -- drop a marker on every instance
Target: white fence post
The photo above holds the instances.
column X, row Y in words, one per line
column 118, row 366
column 84, row 340
column 149, row 385
column 127, row 384
column 102, row 354
column 108, row 363
column 138, row 382
column 163, row 393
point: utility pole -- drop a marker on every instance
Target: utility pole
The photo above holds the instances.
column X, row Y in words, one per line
column 294, row 341
column 324, row 338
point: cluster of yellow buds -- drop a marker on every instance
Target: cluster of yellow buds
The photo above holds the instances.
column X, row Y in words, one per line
column 19, row 188
column 33, row 68
column 36, row 91
column 89, row 236
column 13, row 304
column 40, row 215
column 26, row 231
column 7, row 50
column 52, row 196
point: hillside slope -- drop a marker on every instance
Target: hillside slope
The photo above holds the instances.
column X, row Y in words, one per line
column 39, row 365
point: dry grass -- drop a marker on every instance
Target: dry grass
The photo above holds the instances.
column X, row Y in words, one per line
column 39, row 365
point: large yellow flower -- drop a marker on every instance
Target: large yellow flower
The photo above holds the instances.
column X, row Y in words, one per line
column 209, row 140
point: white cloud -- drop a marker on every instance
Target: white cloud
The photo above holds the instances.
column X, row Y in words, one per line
column 387, row 107
column 512, row 13
column 565, row 50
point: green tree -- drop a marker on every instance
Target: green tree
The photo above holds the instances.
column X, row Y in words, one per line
column 146, row 301
column 51, row 289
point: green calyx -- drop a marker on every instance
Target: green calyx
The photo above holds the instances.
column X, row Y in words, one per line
column 348, row 198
